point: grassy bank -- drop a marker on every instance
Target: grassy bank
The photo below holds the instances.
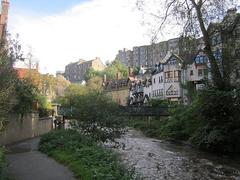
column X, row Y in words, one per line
column 83, row 156
column 3, row 165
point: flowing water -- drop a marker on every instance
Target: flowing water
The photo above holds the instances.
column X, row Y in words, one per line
column 155, row 160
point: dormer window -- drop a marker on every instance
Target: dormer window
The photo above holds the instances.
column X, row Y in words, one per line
column 172, row 61
column 216, row 39
column 201, row 59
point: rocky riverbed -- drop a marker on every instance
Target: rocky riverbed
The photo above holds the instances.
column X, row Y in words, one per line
column 156, row 160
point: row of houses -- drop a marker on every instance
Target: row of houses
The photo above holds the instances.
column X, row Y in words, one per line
column 167, row 76
column 168, row 79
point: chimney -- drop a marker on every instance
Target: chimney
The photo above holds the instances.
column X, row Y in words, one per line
column 4, row 14
column 4, row 18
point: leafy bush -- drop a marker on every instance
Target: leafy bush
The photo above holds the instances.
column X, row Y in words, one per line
column 82, row 155
column 3, row 174
column 211, row 122
column 97, row 116
column 26, row 96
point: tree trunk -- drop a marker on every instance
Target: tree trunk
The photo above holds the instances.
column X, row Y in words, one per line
column 215, row 71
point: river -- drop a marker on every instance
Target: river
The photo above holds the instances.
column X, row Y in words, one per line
column 154, row 159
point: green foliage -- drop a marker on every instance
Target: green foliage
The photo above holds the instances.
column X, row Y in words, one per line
column 110, row 71
column 97, row 115
column 3, row 165
column 91, row 73
column 8, row 78
column 26, row 96
column 44, row 107
column 211, row 122
column 158, row 103
column 83, row 156
column 95, row 83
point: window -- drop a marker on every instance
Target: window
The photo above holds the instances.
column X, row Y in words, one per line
column 177, row 74
column 172, row 61
column 191, row 73
column 159, row 79
column 154, row 81
column 201, row 59
column 197, row 60
column 218, row 54
column 214, row 41
column 200, row 72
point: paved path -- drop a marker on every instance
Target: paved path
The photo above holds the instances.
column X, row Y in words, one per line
column 27, row 163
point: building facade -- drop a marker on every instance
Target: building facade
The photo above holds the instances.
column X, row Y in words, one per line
column 125, row 56
column 225, row 42
column 75, row 72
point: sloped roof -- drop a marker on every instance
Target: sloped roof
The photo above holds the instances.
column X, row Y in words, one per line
column 170, row 55
column 23, row 72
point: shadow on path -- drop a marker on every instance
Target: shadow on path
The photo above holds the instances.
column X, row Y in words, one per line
column 27, row 163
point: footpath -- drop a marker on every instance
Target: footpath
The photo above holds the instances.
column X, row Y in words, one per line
column 27, row 163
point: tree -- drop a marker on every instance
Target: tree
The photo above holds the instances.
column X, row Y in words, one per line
column 48, row 85
column 194, row 17
column 10, row 52
column 26, row 96
column 95, row 83
column 97, row 116
column 61, row 85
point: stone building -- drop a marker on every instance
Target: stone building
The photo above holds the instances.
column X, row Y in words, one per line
column 125, row 56
column 225, row 41
column 150, row 55
column 4, row 18
column 75, row 72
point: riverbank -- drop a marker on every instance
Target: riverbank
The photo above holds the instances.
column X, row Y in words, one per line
column 177, row 130
column 83, row 156
column 159, row 159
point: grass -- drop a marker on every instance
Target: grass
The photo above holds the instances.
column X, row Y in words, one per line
column 3, row 165
column 84, row 157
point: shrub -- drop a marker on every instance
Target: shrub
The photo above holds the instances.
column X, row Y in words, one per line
column 83, row 156
column 97, row 116
column 3, row 175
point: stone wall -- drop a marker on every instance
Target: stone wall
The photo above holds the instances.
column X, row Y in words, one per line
column 28, row 127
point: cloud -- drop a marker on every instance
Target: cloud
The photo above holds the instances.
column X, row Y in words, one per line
column 97, row 28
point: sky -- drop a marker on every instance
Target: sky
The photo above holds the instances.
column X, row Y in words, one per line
column 58, row 32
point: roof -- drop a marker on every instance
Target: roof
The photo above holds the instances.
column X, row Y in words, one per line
column 23, row 72
column 170, row 55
